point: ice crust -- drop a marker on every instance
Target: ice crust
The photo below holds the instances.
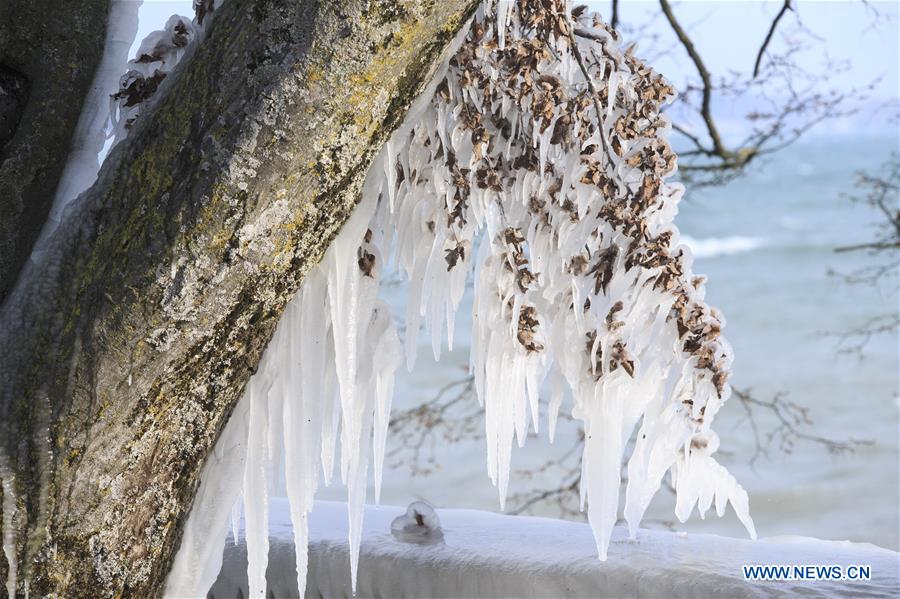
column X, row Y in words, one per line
column 83, row 161
column 116, row 99
column 491, row 555
column 512, row 166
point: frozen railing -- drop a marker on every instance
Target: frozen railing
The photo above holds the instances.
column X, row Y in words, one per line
column 482, row 554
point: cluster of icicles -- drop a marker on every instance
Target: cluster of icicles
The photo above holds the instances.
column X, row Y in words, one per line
column 550, row 187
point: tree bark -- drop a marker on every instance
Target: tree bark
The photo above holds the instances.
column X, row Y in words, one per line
column 49, row 51
column 124, row 351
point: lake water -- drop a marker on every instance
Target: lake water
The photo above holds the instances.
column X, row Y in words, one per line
column 767, row 242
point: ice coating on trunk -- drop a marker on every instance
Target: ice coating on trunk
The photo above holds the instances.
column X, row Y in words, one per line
column 543, row 170
column 116, row 99
column 83, row 161
column 200, row 556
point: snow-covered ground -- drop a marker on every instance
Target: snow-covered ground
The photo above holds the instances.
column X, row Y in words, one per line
column 489, row 555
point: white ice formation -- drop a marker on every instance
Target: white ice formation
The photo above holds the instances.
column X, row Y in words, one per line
column 7, row 525
column 538, row 159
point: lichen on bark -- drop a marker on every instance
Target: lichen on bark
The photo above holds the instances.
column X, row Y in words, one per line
column 124, row 350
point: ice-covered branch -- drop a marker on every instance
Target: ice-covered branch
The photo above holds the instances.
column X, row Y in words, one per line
column 539, row 159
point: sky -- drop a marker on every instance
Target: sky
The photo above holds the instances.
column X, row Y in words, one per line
column 728, row 34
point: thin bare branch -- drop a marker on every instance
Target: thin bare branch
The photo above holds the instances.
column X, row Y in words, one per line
column 705, row 109
column 876, row 246
column 762, row 49
column 792, row 423
column 881, row 191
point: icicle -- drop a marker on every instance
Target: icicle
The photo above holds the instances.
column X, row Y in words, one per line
column 387, row 357
column 9, row 532
column 390, row 175
column 603, row 446
column 235, row 521
column 303, row 421
column 698, row 478
column 256, row 500
column 503, row 11
column 557, row 382
column 330, row 419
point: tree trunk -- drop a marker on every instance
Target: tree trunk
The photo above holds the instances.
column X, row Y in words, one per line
column 123, row 352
